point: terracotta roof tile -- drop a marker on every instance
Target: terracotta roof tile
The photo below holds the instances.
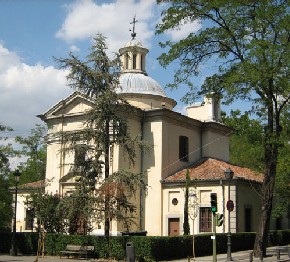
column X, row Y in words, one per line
column 213, row 169
column 36, row 184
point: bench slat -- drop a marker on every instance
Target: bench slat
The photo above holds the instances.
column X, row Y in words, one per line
column 78, row 250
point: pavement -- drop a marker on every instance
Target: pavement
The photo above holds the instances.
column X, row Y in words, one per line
column 236, row 256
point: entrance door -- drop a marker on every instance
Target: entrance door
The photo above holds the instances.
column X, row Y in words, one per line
column 248, row 219
column 173, row 226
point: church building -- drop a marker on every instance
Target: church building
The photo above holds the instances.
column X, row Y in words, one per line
column 196, row 143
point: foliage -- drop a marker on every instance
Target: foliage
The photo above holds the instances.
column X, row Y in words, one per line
column 249, row 41
column 146, row 248
column 246, row 149
column 105, row 128
column 5, row 205
column 6, row 150
column 5, row 197
column 246, row 144
column 34, row 150
column 74, row 212
column 46, row 212
column 283, row 171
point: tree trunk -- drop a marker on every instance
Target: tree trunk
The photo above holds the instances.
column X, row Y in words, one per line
column 272, row 133
column 261, row 240
column 107, row 172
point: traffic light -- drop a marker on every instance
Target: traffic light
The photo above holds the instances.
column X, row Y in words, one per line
column 219, row 219
column 213, row 202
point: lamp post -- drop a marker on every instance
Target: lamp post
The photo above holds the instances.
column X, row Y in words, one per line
column 14, row 249
column 229, row 176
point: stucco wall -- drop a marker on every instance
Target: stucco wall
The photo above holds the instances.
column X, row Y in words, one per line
column 199, row 197
column 248, row 196
column 215, row 144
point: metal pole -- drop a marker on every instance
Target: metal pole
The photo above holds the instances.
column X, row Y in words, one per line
column 229, row 244
column 14, row 249
column 214, row 258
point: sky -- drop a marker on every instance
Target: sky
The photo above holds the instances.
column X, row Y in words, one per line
column 34, row 32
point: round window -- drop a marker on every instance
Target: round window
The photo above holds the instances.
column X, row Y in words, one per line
column 174, row 201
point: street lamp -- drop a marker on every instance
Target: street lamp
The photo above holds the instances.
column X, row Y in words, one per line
column 229, row 176
column 14, row 249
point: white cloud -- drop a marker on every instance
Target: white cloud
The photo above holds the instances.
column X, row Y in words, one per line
column 86, row 18
column 7, row 58
column 27, row 90
column 74, row 48
column 184, row 30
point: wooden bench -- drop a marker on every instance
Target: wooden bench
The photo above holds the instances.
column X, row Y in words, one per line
column 78, row 251
column 279, row 250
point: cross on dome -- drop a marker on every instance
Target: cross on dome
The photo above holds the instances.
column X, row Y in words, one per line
column 133, row 34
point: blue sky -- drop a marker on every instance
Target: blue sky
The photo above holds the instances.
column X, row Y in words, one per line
column 32, row 32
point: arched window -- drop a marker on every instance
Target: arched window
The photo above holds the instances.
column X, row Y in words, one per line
column 134, row 61
column 127, row 61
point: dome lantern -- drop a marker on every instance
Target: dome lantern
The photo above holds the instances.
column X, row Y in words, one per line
column 135, row 85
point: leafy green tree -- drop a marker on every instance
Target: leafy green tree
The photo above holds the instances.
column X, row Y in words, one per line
column 246, row 149
column 105, row 127
column 281, row 192
column 46, row 211
column 34, row 150
column 246, row 144
column 5, row 205
column 250, row 41
column 6, row 151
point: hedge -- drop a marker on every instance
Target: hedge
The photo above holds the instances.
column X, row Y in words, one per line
column 147, row 248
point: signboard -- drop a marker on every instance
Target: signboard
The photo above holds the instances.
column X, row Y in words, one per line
column 230, row 205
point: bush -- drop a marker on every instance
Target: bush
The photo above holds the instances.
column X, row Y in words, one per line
column 147, row 248
column 279, row 237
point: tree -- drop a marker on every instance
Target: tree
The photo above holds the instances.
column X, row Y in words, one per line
column 47, row 212
column 6, row 150
column 5, row 196
column 246, row 149
column 283, row 172
column 193, row 211
column 34, row 150
column 246, row 144
column 105, row 128
column 250, row 41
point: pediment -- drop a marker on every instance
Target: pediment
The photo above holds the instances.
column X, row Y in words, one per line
column 74, row 104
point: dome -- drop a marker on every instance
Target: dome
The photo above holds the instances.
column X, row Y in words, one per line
column 139, row 84
column 133, row 42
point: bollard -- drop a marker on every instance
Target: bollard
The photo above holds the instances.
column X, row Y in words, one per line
column 130, row 252
column 278, row 254
column 251, row 255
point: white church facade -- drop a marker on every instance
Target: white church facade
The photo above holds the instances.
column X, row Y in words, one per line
column 196, row 142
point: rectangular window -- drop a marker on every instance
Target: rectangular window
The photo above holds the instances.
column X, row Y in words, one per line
column 205, row 219
column 80, row 155
column 183, row 148
column 29, row 219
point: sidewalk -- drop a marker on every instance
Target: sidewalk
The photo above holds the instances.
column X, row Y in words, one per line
column 236, row 256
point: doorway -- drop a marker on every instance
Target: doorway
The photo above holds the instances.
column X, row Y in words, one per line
column 173, row 227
